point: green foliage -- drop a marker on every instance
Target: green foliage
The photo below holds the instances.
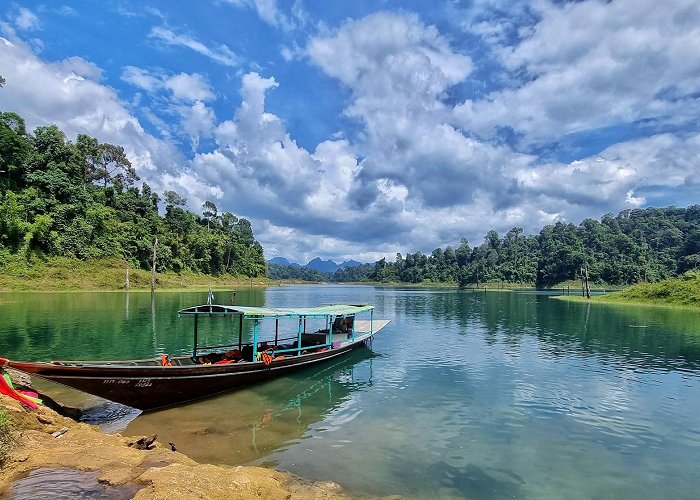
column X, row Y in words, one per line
column 636, row 246
column 78, row 200
column 643, row 245
column 14, row 148
column 684, row 290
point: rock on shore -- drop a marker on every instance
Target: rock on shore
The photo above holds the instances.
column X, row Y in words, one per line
column 159, row 472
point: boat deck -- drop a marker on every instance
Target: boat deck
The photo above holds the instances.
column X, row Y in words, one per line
column 363, row 325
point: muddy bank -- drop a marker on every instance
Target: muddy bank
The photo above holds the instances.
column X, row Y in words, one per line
column 45, row 439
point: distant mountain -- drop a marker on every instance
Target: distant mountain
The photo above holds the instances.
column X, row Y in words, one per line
column 324, row 266
column 328, row 266
column 317, row 264
column 281, row 261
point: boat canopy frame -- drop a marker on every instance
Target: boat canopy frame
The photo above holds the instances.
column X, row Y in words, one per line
column 258, row 314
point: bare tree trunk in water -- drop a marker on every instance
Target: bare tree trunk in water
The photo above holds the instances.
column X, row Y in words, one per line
column 153, row 271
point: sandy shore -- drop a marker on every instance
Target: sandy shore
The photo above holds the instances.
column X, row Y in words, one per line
column 157, row 472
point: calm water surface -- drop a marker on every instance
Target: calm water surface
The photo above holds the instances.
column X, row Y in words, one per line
column 463, row 395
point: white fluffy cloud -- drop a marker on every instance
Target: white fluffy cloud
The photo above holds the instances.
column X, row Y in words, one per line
column 189, row 87
column 185, row 87
column 593, row 64
column 198, row 121
column 398, row 70
column 142, row 79
column 257, row 161
column 182, row 95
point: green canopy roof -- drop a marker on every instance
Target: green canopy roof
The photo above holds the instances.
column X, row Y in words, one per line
column 274, row 312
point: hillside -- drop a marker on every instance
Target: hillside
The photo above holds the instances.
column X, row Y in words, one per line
column 80, row 200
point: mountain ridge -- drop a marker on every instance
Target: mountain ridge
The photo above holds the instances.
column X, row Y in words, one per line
column 317, row 264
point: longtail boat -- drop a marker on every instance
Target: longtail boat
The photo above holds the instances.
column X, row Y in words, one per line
column 148, row 384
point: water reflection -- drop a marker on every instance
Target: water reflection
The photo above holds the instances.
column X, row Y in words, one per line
column 634, row 337
column 247, row 424
column 67, row 483
column 107, row 325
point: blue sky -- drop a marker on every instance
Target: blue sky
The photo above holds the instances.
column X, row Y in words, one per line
column 361, row 129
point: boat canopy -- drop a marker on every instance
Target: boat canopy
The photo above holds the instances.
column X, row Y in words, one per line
column 274, row 312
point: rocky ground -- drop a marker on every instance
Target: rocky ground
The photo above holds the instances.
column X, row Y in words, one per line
column 43, row 438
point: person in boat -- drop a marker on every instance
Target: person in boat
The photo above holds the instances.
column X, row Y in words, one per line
column 342, row 324
column 339, row 325
column 247, row 353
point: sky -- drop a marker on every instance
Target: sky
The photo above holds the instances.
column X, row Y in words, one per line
column 356, row 130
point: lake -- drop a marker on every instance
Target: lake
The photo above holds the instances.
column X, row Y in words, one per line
column 464, row 394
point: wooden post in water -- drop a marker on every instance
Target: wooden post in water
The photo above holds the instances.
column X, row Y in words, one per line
column 277, row 329
column 585, row 285
column 153, row 270
column 126, row 281
column 194, row 348
column 240, row 332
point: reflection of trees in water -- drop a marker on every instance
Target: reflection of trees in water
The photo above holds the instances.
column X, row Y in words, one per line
column 669, row 341
column 109, row 325
column 613, row 334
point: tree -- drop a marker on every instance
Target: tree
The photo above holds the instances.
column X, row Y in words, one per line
column 229, row 222
column 174, row 199
column 14, row 149
column 104, row 163
column 210, row 212
column 113, row 166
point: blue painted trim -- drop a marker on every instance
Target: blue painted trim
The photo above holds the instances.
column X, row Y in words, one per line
column 256, row 328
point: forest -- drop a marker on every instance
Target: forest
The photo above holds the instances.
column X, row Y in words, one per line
column 80, row 199
column 636, row 246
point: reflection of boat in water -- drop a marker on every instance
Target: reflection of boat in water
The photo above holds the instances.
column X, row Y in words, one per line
column 259, row 421
column 156, row 383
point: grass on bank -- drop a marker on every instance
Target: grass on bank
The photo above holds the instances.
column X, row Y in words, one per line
column 683, row 291
column 61, row 273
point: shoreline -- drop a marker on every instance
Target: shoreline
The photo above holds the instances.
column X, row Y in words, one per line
column 62, row 274
column 606, row 300
column 43, row 439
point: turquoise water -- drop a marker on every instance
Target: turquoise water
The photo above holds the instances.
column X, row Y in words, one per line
column 464, row 394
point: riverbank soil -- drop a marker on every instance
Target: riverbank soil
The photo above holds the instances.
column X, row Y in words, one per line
column 44, row 439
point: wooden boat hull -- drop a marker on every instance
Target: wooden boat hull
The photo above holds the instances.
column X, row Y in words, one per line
column 152, row 387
